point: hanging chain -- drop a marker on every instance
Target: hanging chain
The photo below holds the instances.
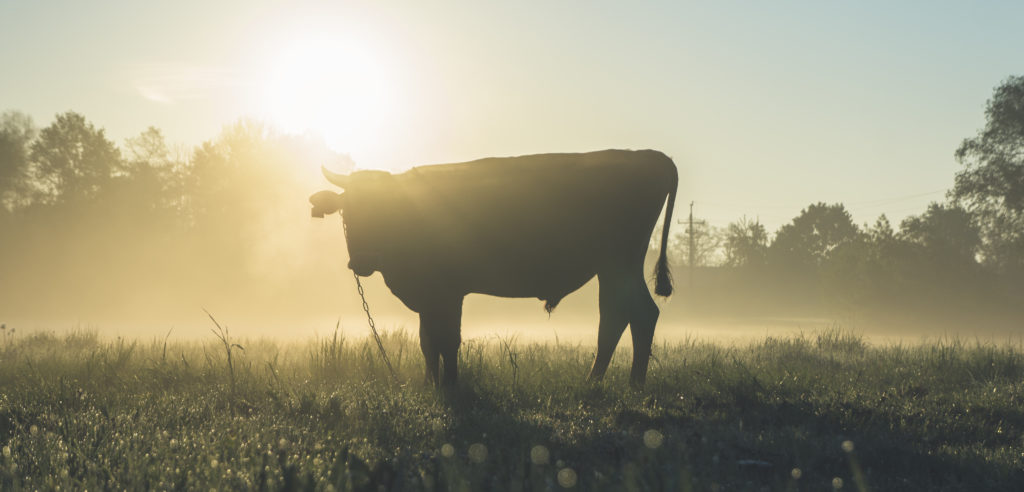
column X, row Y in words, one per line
column 369, row 318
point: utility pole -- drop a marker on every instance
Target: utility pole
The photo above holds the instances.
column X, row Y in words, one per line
column 692, row 248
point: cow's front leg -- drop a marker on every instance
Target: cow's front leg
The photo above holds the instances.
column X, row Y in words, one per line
column 441, row 334
column 430, row 353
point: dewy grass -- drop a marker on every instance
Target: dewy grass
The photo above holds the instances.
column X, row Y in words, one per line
column 799, row 413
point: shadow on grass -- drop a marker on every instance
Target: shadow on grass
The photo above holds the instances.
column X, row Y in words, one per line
column 745, row 440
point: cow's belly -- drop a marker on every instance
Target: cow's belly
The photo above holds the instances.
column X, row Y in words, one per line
column 521, row 269
column 542, row 284
column 418, row 288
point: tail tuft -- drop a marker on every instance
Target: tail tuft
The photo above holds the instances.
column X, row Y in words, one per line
column 663, row 278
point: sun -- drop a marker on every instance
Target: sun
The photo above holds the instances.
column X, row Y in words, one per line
column 332, row 87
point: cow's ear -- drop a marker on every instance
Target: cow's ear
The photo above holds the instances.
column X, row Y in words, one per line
column 340, row 180
column 326, row 202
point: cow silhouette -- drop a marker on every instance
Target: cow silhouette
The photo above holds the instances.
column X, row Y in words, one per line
column 529, row 226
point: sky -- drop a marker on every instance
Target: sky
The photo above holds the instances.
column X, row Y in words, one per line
column 766, row 107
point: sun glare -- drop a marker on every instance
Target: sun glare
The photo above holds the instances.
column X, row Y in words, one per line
column 334, row 88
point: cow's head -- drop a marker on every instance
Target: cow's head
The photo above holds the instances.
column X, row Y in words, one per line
column 367, row 214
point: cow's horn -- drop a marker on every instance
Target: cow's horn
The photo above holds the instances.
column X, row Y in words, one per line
column 339, row 179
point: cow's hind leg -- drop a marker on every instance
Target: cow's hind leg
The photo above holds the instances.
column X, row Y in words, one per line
column 441, row 335
column 643, row 315
column 613, row 302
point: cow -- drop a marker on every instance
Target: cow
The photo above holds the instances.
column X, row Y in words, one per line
column 528, row 226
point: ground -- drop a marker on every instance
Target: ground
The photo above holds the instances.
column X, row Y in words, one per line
column 800, row 413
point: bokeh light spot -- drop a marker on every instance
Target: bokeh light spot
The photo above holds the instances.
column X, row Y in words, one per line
column 653, row 439
column 567, row 477
column 539, row 455
column 477, row 453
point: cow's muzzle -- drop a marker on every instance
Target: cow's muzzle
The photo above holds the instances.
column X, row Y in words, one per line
column 361, row 270
column 325, row 202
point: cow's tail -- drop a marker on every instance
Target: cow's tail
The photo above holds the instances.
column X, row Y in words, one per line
column 663, row 279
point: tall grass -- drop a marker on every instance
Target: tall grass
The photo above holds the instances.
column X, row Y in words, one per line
column 81, row 412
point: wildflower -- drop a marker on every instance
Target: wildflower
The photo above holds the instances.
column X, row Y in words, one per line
column 848, row 446
column 7, row 451
column 447, row 450
column 214, row 463
column 796, row 473
column 837, row 483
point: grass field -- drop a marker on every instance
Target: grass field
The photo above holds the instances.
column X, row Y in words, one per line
column 814, row 412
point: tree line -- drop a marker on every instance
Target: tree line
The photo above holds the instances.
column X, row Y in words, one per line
column 80, row 214
column 84, row 221
column 967, row 250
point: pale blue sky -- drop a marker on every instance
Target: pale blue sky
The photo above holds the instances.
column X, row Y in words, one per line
column 766, row 107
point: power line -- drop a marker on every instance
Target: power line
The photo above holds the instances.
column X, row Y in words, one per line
column 886, row 201
column 861, row 204
column 871, row 202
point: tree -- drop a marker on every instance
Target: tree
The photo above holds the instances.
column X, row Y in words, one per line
column 148, row 149
column 885, row 258
column 746, row 243
column 882, row 273
column 16, row 134
column 991, row 183
column 881, row 233
column 246, row 183
column 231, row 175
column 936, row 259
column 73, row 159
column 812, row 236
column 150, row 174
column 946, row 234
column 706, row 244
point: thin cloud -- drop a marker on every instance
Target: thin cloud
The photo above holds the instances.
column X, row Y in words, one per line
column 169, row 83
